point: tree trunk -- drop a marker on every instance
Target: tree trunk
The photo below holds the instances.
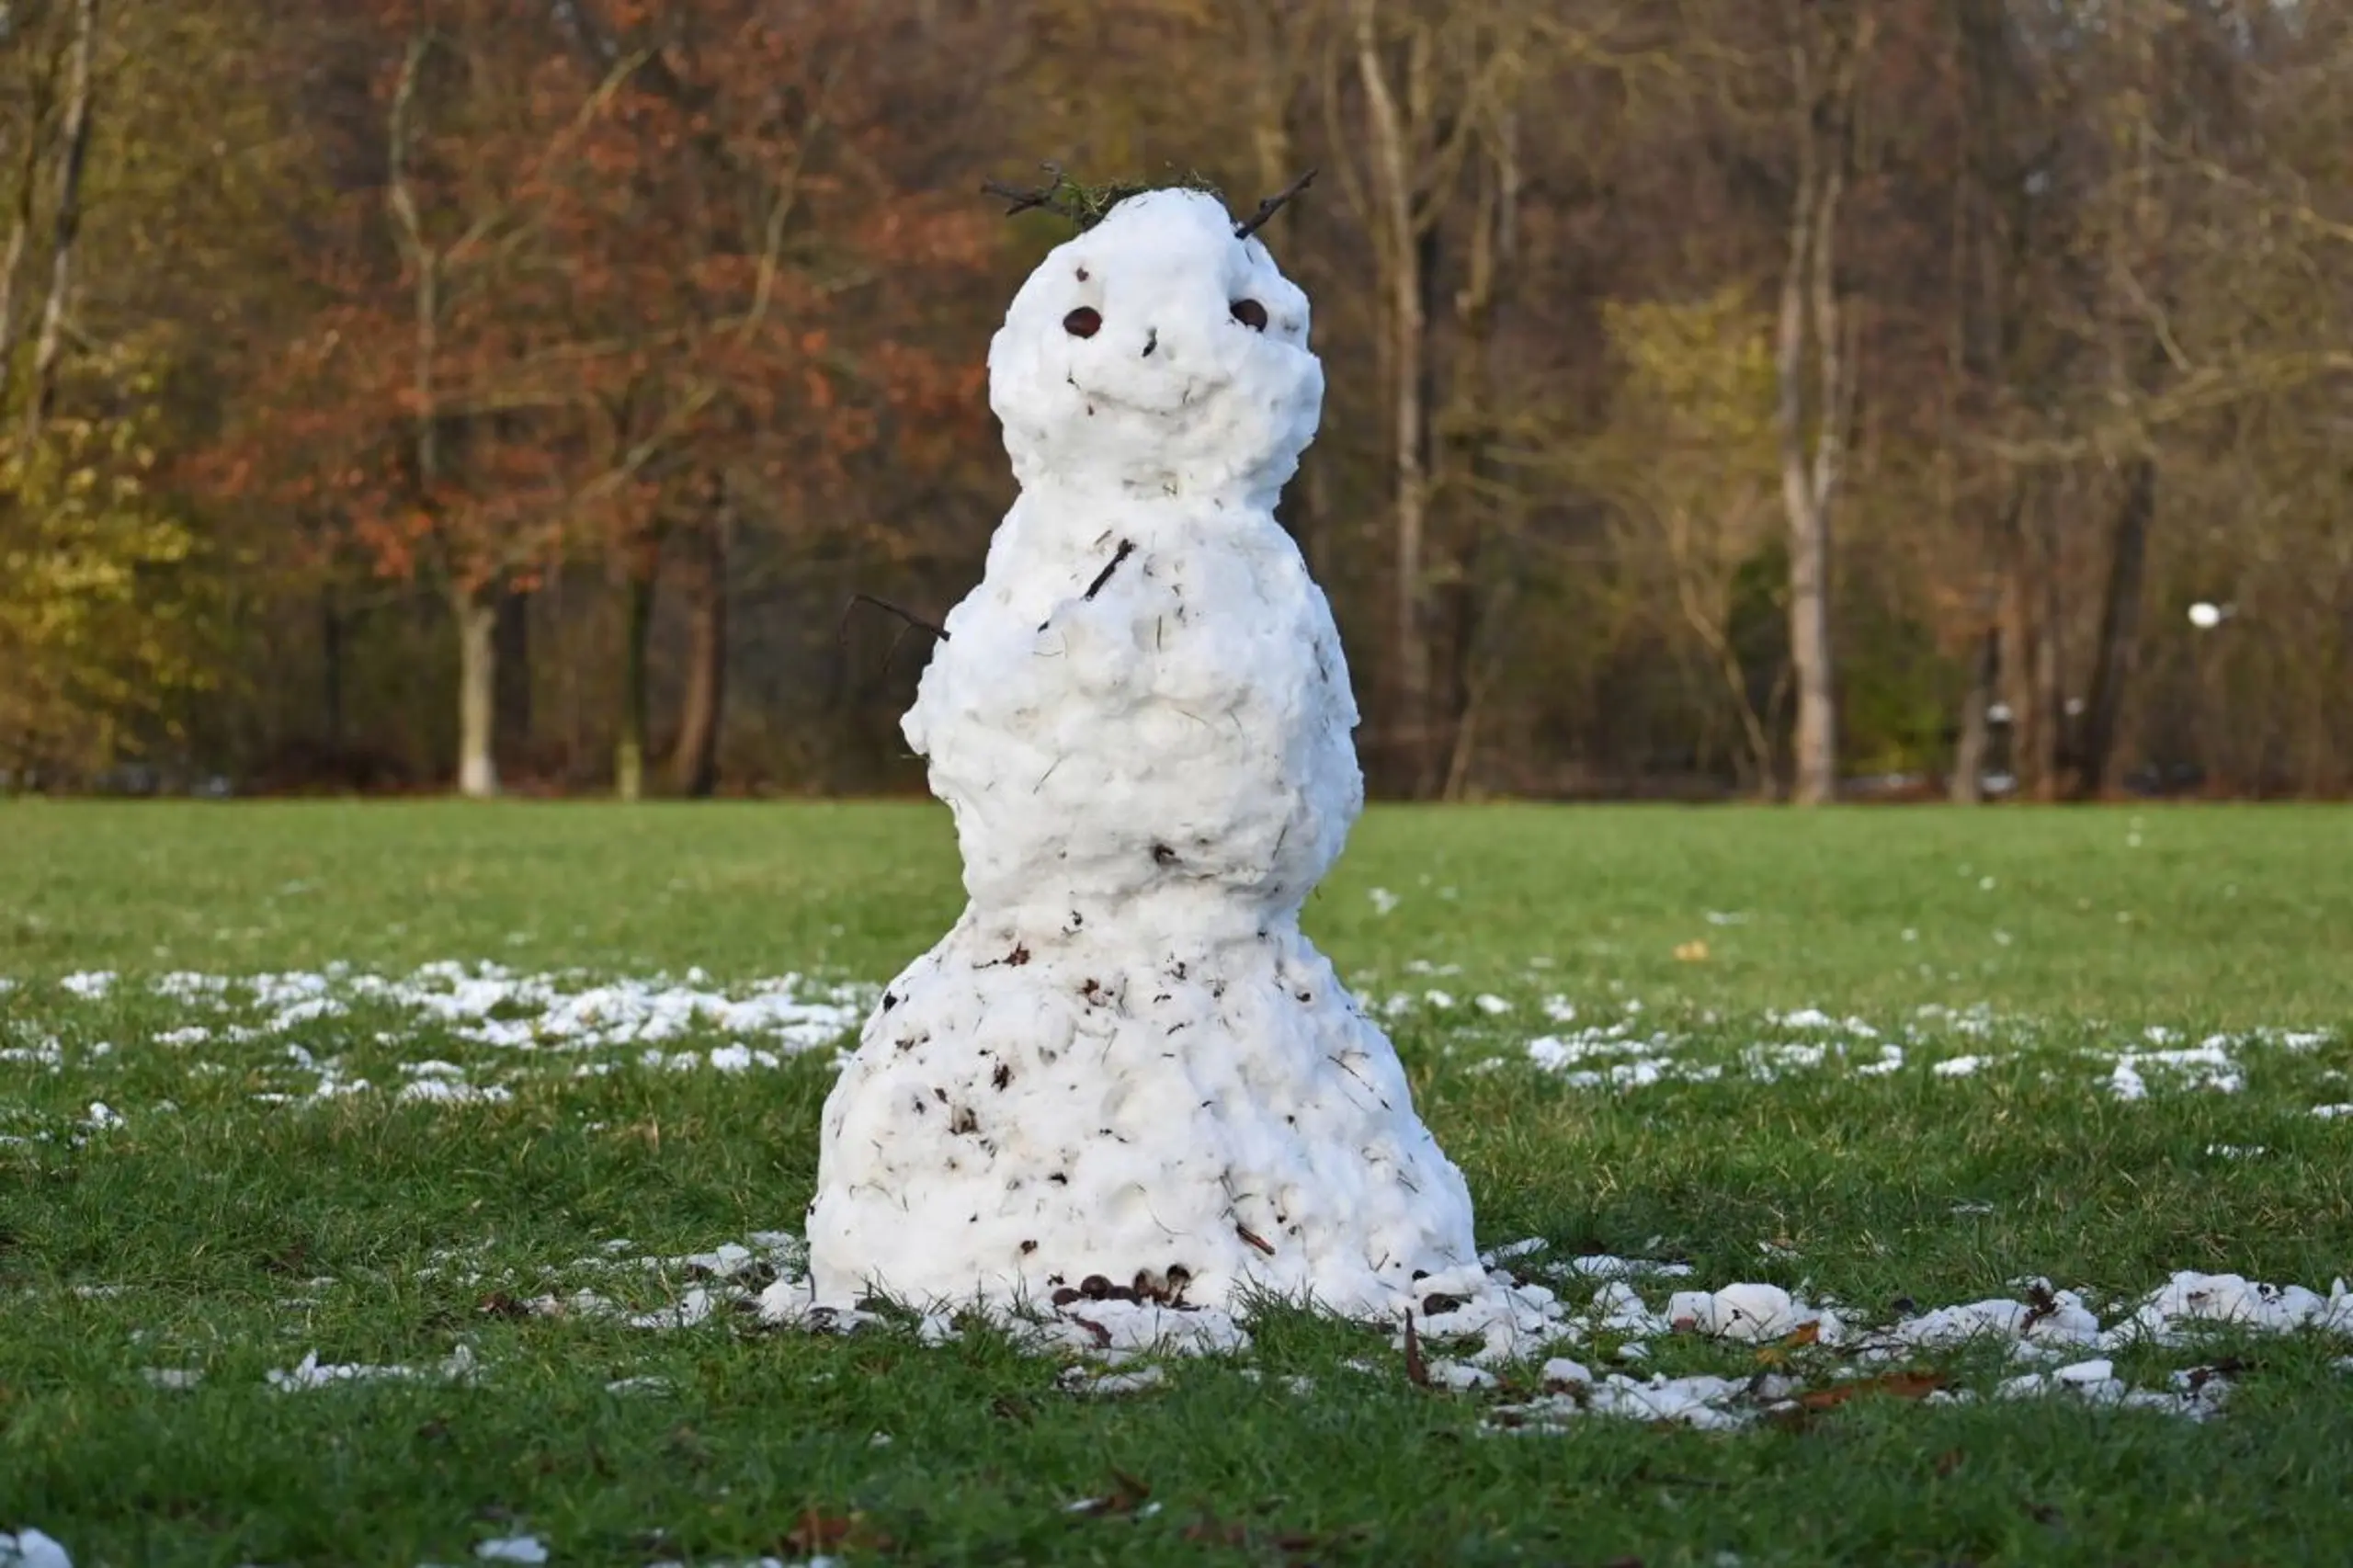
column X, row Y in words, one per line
column 13, row 262
column 1467, row 486
column 1815, row 744
column 2120, row 623
column 2046, row 708
column 331, row 669
column 1967, row 785
column 1813, row 440
column 477, row 614
column 511, row 720
column 694, row 766
column 1401, row 257
column 1409, row 623
column 2030, row 652
column 66, row 223
column 629, row 749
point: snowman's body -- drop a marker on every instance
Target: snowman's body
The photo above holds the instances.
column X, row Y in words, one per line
column 1126, row 1059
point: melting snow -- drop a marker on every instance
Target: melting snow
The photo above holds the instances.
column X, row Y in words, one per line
column 489, row 1004
column 30, row 1548
column 313, row 1373
column 1749, row 1313
column 2206, row 1066
column 2173, row 1312
column 1077, row 1380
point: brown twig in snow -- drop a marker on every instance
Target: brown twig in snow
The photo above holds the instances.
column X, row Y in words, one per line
column 1127, row 548
column 1417, row 1371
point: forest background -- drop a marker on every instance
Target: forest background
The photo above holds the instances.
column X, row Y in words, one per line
column 1776, row 397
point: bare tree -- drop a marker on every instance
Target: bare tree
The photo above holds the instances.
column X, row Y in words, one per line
column 65, row 220
column 1814, row 345
column 694, row 759
column 1437, row 85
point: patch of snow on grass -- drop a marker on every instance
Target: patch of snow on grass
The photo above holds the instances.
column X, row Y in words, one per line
column 2204, row 1066
column 313, row 1373
column 1077, row 1380
column 30, row 1548
column 1750, row 1314
column 445, row 1091
column 1459, row 1376
column 489, row 1004
column 2048, row 1317
column 2177, row 1311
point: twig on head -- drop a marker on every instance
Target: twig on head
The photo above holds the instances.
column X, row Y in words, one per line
column 1049, row 196
column 1272, row 205
column 1083, row 205
column 912, row 622
column 915, row 622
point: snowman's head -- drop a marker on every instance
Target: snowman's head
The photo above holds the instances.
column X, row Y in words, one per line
column 1157, row 353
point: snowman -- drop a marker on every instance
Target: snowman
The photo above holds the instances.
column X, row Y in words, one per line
column 1125, row 1070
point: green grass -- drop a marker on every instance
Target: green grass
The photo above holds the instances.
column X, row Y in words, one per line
column 231, row 1234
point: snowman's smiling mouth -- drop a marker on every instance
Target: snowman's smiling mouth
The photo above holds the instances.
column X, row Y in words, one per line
column 1182, row 397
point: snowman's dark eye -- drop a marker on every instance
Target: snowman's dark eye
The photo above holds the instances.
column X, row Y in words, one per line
column 1084, row 322
column 1250, row 314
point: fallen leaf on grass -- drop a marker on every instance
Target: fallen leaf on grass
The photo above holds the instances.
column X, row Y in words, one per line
column 1213, row 1531
column 820, row 1533
column 1893, row 1385
column 1691, row 952
column 1805, row 1334
column 1216, row 1532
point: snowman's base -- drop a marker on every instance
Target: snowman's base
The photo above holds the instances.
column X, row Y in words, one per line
column 1507, row 1317
column 1042, row 1116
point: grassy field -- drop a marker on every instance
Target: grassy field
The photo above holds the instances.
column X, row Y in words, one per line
column 1884, row 1057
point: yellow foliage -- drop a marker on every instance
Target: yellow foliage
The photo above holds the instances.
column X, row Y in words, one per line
column 1701, row 372
column 96, row 632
